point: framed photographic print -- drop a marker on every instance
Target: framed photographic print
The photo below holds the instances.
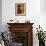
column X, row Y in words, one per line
column 20, row 9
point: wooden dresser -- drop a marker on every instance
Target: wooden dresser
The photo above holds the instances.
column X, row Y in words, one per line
column 22, row 33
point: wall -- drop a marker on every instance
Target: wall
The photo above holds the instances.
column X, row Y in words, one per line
column 0, row 15
column 33, row 13
column 43, row 14
column 43, row 6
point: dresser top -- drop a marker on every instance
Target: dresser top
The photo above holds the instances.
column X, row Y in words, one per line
column 19, row 23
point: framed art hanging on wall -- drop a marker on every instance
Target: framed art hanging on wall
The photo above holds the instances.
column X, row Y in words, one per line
column 20, row 9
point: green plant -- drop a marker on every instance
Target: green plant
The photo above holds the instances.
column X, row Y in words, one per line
column 40, row 34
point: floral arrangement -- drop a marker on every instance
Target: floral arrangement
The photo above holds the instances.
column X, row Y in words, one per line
column 40, row 34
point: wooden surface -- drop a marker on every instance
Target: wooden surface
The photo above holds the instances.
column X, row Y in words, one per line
column 23, row 27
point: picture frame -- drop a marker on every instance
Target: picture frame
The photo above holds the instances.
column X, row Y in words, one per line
column 20, row 9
